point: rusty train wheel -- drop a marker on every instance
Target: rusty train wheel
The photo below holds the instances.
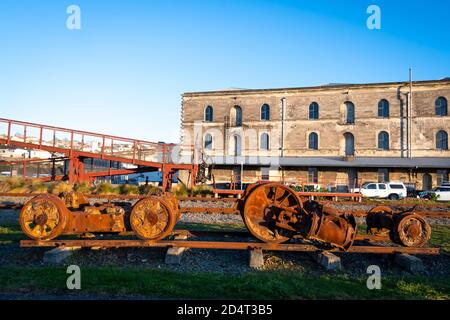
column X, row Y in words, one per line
column 379, row 220
column 43, row 218
column 262, row 204
column 152, row 218
column 412, row 231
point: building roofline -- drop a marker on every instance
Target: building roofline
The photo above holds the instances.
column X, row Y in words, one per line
column 313, row 88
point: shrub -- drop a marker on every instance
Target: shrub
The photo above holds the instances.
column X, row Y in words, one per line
column 23, row 189
column 202, row 191
column 181, row 190
column 39, row 188
column 83, row 187
column 434, row 197
column 128, row 189
column 148, row 189
column 106, row 188
column 61, row 187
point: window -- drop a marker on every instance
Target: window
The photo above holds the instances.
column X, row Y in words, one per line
column 442, row 140
column 442, row 176
column 264, row 142
column 237, row 116
column 396, row 186
column 265, row 173
column 383, row 140
column 382, row 186
column 427, row 182
column 209, row 114
column 265, row 112
column 372, row 186
column 383, row 175
column 349, row 144
column 441, row 106
column 349, row 113
column 314, row 111
column 313, row 175
column 383, row 108
column 313, row 141
column 208, row 141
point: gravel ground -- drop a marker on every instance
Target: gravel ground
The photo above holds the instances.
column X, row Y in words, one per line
column 222, row 261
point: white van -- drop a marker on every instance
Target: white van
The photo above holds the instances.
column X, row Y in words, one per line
column 389, row 190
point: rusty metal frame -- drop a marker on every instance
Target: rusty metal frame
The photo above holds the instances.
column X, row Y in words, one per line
column 76, row 167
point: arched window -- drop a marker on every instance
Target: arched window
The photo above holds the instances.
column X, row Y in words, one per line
column 383, row 108
column 349, row 112
column 427, row 182
column 264, row 142
column 236, row 116
column 314, row 111
column 442, row 140
column 313, row 141
column 441, row 106
column 265, row 112
column 383, row 140
column 208, row 141
column 209, row 114
column 349, row 144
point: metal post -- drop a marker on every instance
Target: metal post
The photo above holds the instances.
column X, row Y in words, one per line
column 242, row 172
column 283, row 102
column 410, row 113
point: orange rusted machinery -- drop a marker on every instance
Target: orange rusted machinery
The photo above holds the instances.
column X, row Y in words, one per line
column 272, row 212
column 46, row 217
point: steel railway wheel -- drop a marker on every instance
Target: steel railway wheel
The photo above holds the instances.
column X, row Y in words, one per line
column 264, row 205
column 43, row 218
column 412, row 230
column 379, row 220
column 152, row 218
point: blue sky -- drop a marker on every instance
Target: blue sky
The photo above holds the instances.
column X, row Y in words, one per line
column 124, row 72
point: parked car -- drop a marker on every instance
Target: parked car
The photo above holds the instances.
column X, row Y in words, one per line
column 389, row 190
column 442, row 193
column 357, row 190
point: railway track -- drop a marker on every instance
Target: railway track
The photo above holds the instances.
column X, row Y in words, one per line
column 275, row 216
column 225, row 245
column 444, row 213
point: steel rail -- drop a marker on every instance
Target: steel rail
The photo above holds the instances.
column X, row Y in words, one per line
column 208, row 199
column 201, row 209
column 221, row 245
column 246, row 234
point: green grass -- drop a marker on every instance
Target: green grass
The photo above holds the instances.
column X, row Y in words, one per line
column 256, row 285
column 440, row 236
column 10, row 234
column 158, row 283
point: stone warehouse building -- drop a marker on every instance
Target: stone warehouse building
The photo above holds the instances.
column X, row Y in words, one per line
column 331, row 135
